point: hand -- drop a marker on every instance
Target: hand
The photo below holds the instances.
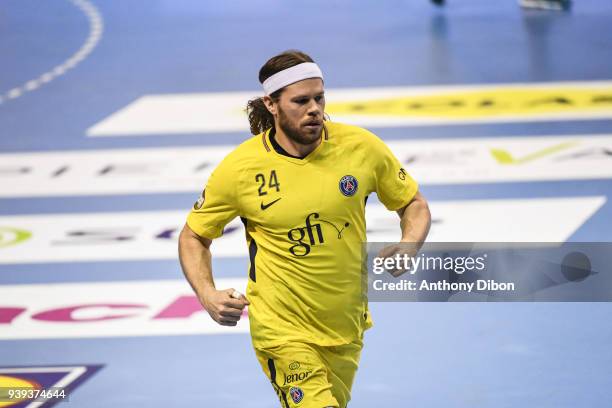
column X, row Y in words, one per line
column 224, row 308
column 402, row 248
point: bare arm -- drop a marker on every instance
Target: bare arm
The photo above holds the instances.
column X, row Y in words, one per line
column 415, row 220
column 195, row 257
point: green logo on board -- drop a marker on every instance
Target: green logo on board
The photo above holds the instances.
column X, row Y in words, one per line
column 13, row 236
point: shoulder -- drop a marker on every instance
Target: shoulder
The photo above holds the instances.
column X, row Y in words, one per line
column 344, row 129
column 242, row 156
column 353, row 136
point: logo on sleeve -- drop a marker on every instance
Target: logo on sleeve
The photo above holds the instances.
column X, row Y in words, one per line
column 402, row 174
column 297, row 395
column 200, row 201
column 348, row 185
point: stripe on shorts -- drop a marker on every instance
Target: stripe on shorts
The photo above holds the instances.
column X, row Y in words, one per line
column 279, row 391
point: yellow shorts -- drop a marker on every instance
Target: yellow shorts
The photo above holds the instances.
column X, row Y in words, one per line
column 310, row 376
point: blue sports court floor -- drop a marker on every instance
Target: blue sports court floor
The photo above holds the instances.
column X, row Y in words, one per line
column 110, row 121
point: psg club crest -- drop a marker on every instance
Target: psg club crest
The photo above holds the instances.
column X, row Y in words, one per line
column 296, row 394
column 348, row 185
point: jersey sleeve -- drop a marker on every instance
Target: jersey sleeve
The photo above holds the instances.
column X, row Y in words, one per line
column 394, row 186
column 218, row 204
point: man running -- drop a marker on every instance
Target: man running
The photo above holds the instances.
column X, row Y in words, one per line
column 300, row 187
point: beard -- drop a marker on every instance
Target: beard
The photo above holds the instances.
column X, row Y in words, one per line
column 295, row 133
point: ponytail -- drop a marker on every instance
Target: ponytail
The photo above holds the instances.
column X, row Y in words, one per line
column 260, row 119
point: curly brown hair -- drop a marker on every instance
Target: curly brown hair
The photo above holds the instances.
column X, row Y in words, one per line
column 260, row 119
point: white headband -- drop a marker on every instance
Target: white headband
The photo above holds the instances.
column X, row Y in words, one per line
column 291, row 75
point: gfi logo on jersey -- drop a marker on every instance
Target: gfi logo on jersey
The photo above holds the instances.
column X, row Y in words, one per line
column 311, row 234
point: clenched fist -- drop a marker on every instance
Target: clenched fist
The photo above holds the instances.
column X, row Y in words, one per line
column 224, row 306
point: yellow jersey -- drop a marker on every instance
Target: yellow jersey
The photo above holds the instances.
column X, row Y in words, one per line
column 305, row 229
